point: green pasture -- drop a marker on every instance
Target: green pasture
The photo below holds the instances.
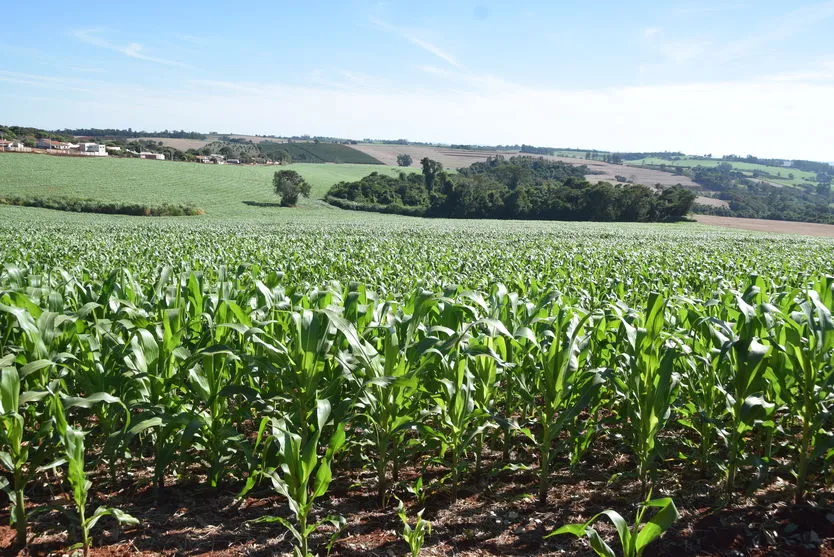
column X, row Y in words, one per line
column 777, row 175
column 221, row 190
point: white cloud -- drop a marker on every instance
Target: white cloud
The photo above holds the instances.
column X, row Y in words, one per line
column 764, row 117
column 133, row 50
column 651, row 32
column 415, row 39
column 777, row 29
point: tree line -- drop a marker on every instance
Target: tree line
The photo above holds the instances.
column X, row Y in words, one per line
column 750, row 198
column 520, row 187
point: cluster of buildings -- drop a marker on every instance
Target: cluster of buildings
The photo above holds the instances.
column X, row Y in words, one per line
column 89, row 149
column 215, row 159
column 14, row 146
column 84, row 148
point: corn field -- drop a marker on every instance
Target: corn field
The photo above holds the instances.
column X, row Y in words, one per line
column 281, row 363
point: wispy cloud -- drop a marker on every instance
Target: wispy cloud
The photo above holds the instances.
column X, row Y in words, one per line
column 723, row 117
column 777, row 29
column 415, row 39
column 191, row 39
column 823, row 72
column 703, row 8
column 86, row 69
column 674, row 50
column 133, row 50
column 651, row 32
column 47, row 82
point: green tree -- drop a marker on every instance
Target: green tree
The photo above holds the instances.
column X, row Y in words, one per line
column 431, row 170
column 404, row 159
column 289, row 184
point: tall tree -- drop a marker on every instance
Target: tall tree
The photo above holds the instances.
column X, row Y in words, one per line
column 404, row 159
column 289, row 184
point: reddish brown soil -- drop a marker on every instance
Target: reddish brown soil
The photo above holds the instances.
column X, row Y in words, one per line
column 777, row 226
column 497, row 515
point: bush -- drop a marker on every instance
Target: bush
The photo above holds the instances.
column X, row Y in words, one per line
column 75, row 205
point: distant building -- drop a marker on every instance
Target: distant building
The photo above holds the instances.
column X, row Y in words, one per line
column 47, row 144
column 203, row 159
column 17, row 146
column 233, row 161
column 93, row 149
column 113, row 149
column 152, row 156
column 4, row 144
column 56, row 145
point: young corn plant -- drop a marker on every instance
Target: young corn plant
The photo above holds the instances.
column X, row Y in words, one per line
column 458, row 419
column 634, row 539
column 559, row 388
column 387, row 404
column 648, row 386
column 21, row 452
column 748, row 360
column 311, row 376
column 304, row 477
column 810, row 336
column 74, row 453
column 414, row 536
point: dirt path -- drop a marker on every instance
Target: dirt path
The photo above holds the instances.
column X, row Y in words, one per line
column 762, row 225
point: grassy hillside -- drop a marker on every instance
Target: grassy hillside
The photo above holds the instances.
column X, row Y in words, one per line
column 227, row 190
column 775, row 174
column 319, row 152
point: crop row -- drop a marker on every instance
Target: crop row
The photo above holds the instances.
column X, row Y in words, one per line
column 243, row 378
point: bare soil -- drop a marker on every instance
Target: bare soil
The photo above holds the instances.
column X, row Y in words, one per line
column 775, row 226
column 711, row 201
column 495, row 515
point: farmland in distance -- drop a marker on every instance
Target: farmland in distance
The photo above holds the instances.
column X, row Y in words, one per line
column 190, row 333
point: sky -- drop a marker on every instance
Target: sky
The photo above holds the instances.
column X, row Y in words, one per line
column 706, row 77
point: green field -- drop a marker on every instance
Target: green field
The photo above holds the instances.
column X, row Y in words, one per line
column 310, row 152
column 220, row 190
column 779, row 175
column 310, row 364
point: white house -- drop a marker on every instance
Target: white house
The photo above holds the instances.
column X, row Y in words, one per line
column 57, row 145
column 93, row 149
column 152, row 156
column 17, row 146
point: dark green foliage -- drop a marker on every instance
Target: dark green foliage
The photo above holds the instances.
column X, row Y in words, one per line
column 289, row 184
column 245, row 152
column 404, row 159
column 750, row 198
column 110, row 132
column 316, row 152
column 517, row 188
column 103, row 207
column 536, row 150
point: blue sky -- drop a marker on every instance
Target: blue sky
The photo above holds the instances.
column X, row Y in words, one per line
column 702, row 77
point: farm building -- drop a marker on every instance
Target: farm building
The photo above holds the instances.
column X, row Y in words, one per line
column 93, row 149
column 17, row 146
column 50, row 144
column 113, row 149
column 210, row 159
column 152, row 156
